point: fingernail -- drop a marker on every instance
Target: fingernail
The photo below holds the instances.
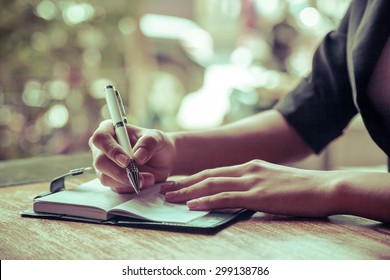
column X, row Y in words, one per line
column 147, row 181
column 122, row 160
column 194, row 204
column 141, row 155
column 170, row 196
column 167, row 186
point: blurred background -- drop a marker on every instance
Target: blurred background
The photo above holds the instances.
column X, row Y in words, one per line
column 179, row 64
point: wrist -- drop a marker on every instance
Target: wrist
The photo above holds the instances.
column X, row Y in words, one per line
column 330, row 192
column 339, row 190
column 364, row 194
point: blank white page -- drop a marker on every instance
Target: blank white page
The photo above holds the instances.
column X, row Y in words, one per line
column 150, row 204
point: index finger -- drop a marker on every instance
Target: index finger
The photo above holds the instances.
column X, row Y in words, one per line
column 226, row 171
column 218, row 201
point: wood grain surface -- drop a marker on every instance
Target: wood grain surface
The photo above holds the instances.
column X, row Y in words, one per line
column 259, row 237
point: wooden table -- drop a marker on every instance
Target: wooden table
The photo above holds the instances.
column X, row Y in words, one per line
column 260, row 237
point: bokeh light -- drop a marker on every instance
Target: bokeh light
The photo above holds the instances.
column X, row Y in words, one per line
column 75, row 13
column 57, row 116
column 168, row 60
column 310, row 17
column 33, row 95
column 126, row 25
column 46, row 10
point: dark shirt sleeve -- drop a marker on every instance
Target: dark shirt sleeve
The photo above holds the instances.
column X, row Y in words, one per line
column 322, row 104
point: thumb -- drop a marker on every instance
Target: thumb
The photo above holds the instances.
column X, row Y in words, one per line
column 146, row 147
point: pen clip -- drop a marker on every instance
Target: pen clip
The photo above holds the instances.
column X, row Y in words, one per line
column 121, row 107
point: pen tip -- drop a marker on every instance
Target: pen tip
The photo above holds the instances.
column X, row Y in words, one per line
column 134, row 180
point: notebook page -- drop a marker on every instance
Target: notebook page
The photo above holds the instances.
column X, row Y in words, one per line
column 150, row 204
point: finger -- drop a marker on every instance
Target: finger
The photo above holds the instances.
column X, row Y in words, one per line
column 207, row 187
column 104, row 139
column 114, row 185
column 147, row 145
column 219, row 201
column 95, row 151
column 229, row 171
column 134, row 133
column 169, row 186
column 205, row 175
column 146, row 180
column 107, row 167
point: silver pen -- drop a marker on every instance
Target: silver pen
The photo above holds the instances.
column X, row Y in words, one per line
column 118, row 116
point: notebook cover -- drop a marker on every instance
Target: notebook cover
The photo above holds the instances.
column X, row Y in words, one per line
column 212, row 222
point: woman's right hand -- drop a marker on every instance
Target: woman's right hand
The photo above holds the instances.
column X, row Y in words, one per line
column 154, row 154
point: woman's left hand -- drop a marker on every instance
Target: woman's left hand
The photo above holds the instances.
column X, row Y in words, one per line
column 259, row 186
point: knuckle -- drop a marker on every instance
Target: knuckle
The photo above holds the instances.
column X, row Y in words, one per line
column 205, row 201
column 151, row 140
column 254, row 180
column 255, row 166
column 183, row 192
column 205, row 175
column 226, row 198
column 220, row 200
column 90, row 142
column 210, row 182
column 154, row 138
column 157, row 134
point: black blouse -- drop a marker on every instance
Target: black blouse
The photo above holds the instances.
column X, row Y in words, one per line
column 323, row 103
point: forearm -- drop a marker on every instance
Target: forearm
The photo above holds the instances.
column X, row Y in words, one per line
column 364, row 194
column 265, row 136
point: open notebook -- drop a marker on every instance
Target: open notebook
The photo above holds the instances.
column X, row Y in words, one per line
column 94, row 203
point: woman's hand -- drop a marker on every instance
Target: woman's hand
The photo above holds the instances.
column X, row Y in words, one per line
column 153, row 152
column 258, row 186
